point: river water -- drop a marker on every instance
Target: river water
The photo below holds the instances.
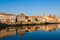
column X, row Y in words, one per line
column 31, row 32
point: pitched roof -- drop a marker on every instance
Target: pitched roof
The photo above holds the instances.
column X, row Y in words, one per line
column 21, row 14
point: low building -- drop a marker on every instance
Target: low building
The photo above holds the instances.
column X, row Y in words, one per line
column 50, row 19
column 30, row 19
column 10, row 18
column 44, row 18
column 7, row 18
column 22, row 18
column 58, row 20
column 2, row 17
column 34, row 19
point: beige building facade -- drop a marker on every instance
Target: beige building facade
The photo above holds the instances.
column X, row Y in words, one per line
column 7, row 18
column 58, row 20
column 22, row 18
column 10, row 18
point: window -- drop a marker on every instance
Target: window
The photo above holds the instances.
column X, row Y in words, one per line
column 28, row 20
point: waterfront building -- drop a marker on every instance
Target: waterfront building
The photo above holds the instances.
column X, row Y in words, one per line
column 30, row 19
column 52, row 19
column 10, row 18
column 37, row 19
column 34, row 19
column 21, row 18
column 58, row 20
column 44, row 19
column 4, row 18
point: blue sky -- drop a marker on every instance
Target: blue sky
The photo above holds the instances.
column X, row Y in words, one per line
column 30, row 7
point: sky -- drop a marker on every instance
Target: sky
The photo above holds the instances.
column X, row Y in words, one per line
column 31, row 7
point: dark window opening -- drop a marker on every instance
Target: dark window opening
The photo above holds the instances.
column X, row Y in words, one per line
column 36, row 19
column 26, row 17
column 16, row 19
column 28, row 20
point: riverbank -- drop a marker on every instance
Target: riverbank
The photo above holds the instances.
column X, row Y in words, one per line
column 16, row 24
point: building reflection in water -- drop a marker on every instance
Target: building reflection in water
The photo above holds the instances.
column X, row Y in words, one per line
column 9, row 31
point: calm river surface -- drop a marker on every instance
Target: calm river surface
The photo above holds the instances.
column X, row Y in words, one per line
column 32, row 32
